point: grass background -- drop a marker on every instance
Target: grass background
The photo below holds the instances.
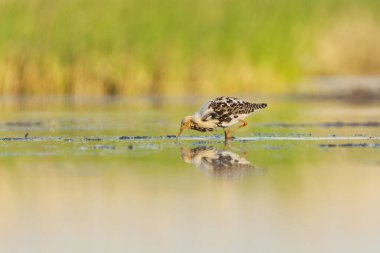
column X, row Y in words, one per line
column 131, row 47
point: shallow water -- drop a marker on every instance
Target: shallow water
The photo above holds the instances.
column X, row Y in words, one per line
column 101, row 175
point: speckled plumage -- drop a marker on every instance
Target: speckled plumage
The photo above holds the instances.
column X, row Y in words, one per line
column 226, row 111
column 220, row 112
column 219, row 163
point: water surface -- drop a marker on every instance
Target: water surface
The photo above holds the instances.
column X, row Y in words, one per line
column 101, row 175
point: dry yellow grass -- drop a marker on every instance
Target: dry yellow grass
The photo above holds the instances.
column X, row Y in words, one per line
column 148, row 47
column 350, row 46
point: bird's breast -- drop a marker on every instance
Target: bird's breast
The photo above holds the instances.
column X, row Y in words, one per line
column 202, row 129
column 231, row 120
column 211, row 123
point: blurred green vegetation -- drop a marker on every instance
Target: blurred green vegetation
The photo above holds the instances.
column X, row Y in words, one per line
column 180, row 46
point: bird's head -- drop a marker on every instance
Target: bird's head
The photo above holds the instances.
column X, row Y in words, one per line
column 186, row 123
column 186, row 154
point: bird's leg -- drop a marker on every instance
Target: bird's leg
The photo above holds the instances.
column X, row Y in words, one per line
column 227, row 134
column 228, row 146
column 244, row 123
column 227, row 141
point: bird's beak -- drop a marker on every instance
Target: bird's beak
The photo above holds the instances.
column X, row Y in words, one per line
column 180, row 132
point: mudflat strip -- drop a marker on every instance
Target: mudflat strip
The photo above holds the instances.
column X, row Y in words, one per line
column 191, row 138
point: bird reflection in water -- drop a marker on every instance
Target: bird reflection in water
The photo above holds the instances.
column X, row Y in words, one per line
column 217, row 163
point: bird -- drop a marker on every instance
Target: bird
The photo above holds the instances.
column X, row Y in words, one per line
column 219, row 163
column 221, row 112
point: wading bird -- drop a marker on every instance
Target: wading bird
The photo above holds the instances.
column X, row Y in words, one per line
column 219, row 163
column 220, row 112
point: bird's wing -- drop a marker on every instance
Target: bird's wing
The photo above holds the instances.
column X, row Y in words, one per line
column 225, row 104
column 205, row 108
column 238, row 107
column 207, row 113
column 224, row 109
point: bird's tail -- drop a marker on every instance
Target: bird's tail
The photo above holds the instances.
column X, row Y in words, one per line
column 255, row 107
column 260, row 106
